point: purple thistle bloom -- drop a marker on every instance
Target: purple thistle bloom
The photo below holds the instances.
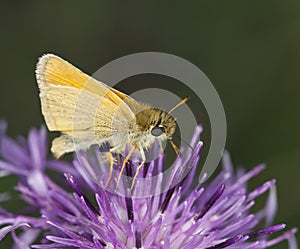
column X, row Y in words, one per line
column 212, row 215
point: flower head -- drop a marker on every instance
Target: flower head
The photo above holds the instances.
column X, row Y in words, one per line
column 78, row 213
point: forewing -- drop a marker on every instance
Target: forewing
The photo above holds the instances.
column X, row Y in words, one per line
column 72, row 100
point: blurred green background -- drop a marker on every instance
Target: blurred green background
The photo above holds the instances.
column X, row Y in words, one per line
column 250, row 50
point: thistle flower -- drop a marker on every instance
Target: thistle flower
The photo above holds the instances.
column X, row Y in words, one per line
column 78, row 213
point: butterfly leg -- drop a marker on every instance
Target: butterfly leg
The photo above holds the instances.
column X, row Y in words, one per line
column 139, row 167
column 123, row 166
column 161, row 147
column 176, row 149
column 111, row 163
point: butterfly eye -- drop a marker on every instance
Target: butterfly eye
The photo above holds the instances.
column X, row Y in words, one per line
column 157, row 131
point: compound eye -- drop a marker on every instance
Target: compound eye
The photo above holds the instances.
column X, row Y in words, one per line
column 157, row 131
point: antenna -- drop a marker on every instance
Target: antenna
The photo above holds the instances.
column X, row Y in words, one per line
column 176, row 149
column 183, row 101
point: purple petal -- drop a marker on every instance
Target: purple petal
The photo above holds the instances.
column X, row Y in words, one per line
column 7, row 229
column 271, row 206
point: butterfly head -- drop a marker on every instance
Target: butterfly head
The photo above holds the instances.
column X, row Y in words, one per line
column 156, row 124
